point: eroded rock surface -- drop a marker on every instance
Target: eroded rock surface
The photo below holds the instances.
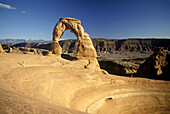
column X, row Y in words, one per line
column 1, row 49
column 157, row 65
column 10, row 50
column 85, row 45
column 49, row 84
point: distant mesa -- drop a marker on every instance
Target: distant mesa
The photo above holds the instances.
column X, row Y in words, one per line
column 85, row 46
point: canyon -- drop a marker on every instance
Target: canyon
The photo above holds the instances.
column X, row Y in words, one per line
column 101, row 44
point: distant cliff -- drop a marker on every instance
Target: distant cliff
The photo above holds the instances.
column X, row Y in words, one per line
column 110, row 45
column 104, row 45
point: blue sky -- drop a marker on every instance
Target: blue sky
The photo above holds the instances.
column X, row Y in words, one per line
column 35, row 19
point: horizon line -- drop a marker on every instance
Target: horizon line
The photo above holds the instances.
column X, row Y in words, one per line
column 91, row 38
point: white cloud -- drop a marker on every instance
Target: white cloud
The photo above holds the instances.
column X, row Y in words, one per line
column 39, row 33
column 5, row 6
column 23, row 12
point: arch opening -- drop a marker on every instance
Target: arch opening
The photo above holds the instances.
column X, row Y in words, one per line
column 67, row 35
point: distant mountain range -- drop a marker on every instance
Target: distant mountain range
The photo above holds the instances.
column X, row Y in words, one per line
column 4, row 40
column 22, row 40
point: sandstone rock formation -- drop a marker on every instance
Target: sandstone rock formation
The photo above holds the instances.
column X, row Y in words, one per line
column 39, row 88
column 1, row 49
column 9, row 50
column 85, row 45
column 157, row 65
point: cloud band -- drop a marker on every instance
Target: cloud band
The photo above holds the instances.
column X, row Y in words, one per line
column 5, row 6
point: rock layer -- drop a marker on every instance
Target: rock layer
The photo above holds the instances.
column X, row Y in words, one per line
column 111, row 45
column 85, row 45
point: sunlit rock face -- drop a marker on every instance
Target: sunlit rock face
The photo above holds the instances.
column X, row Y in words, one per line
column 1, row 49
column 157, row 65
column 85, row 49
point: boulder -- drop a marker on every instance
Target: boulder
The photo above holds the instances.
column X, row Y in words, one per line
column 27, row 52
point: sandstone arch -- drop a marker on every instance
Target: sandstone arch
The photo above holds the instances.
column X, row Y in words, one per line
column 85, row 45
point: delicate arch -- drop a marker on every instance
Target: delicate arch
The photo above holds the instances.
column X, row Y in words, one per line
column 85, row 45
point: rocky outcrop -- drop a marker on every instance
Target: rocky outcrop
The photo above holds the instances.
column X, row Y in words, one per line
column 10, row 50
column 156, row 66
column 1, row 49
column 85, row 46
